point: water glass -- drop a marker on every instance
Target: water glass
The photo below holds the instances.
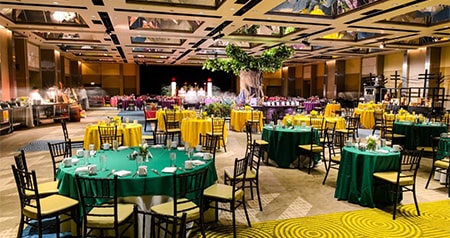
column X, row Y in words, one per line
column 115, row 145
column 173, row 159
column 86, row 155
column 103, row 160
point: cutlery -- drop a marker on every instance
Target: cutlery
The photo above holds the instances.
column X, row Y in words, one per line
column 135, row 174
column 111, row 173
column 156, row 172
column 179, row 168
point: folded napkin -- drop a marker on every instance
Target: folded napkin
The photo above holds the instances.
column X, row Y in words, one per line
column 157, row 146
column 75, row 160
column 198, row 154
column 169, row 170
column 122, row 173
column 382, row 151
column 198, row 162
column 83, row 169
column 180, row 148
column 123, row 147
column 92, row 153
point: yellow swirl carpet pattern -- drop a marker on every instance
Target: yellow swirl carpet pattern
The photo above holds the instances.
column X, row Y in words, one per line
column 434, row 221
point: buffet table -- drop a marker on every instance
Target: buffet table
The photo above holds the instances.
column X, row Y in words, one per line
column 132, row 135
column 355, row 177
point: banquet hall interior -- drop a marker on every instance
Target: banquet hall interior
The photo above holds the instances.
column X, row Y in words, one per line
column 129, row 64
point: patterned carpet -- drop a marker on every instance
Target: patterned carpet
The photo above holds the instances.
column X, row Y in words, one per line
column 38, row 145
column 433, row 222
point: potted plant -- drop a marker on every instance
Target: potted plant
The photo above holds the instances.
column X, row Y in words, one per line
column 249, row 68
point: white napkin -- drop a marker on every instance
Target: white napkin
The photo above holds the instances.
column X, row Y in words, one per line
column 92, row 153
column 75, row 160
column 122, row 173
column 157, row 146
column 169, row 170
column 180, row 148
column 198, row 154
column 123, row 147
column 198, row 162
column 83, row 169
column 382, row 151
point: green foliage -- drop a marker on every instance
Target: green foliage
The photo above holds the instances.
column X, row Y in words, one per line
column 270, row 60
column 165, row 90
column 218, row 109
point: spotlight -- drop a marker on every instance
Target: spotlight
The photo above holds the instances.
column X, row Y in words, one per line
column 220, row 35
column 382, row 45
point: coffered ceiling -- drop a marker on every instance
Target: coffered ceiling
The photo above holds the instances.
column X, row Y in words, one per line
column 185, row 32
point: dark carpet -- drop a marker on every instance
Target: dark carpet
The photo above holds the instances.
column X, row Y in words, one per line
column 38, row 145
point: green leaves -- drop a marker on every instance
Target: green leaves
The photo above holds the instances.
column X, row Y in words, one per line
column 270, row 60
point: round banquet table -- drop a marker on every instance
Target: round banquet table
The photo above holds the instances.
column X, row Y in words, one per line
column 283, row 143
column 355, row 176
column 129, row 185
column 332, row 108
column 192, row 127
column 299, row 119
column 366, row 117
column 132, row 135
column 425, row 130
column 240, row 117
column 179, row 115
column 309, row 106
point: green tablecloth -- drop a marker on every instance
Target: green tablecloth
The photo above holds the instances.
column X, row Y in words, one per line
column 424, row 130
column 152, row 184
column 443, row 148
column 355, row 180
column 283, row 143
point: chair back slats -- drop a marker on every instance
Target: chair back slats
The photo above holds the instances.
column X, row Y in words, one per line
column 163, row 226
column 240, row 170
column 209, row 144
column 170, row 120
column 65, row 131
column 409, row 164
column 27, row 188
column 21, row 162
column 189, row 186
column 108, row 134
column 59, row 151
column 218, row 124
column 254, row 160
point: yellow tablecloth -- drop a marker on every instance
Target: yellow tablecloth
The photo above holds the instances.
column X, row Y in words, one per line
column 298, row 119
column 366, row 116
column 331, row 108
column 180, row 115
column 240, row 117
column 370, row 106
column 192, row 127
column 132, row 135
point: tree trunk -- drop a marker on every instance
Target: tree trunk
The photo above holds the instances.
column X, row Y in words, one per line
column 250, row 85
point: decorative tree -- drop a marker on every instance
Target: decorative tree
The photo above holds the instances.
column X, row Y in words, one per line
column 250, row 68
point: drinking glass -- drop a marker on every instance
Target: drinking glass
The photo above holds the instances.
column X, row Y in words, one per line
column 115, row 145
column 103, row 160
column 173, row 159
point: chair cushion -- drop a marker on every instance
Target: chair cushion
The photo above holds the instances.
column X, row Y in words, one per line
column 77, row 140
column 50, row 205
column 222, row 192
column 315, row 148
column 229, row 173
column 167, row 209
column 215, row 133
column 174, row 130
column 148, row 137
column 441, row 164
column 124, row 211
column 428, row 149
column 261, row 142
column 336, row 159
column 45, row 188
column 391, row 177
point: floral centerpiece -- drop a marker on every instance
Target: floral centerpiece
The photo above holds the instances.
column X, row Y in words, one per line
column 313, row 113
column 402, row 112
column 289, row 122
column 247, row 108
column 143, row 151
column 371, row 143
column 218, row 109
